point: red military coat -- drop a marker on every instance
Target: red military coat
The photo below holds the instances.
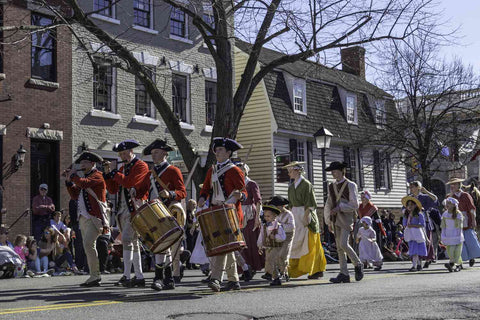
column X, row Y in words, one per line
column 94, row 181
column 171, row 177
column 233, row 180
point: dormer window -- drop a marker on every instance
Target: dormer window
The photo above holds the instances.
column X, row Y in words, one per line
column 380, row 114
column 299, row 96
column 352, row 115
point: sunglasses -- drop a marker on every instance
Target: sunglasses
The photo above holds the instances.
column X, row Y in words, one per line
column 46, row 232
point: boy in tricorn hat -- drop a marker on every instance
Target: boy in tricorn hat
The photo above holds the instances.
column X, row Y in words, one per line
column 340, row 211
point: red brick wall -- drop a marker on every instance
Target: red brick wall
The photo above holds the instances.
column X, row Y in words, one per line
column 36, row 106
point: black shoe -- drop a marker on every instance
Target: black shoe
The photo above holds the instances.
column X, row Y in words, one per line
column 378, row 268
column 426, row 264
column 471, row 262
column 177, row 279
column 286, row 277
column 419, row 267
column 122, row 281
column 94, row 283
column 267, row 276
column 276, row 282
column 206, row 272
column 412, row 269
column 105, row 272
column 449, row 266
column 134, row 282
column 457, row 269
column 232, row 285
column 206, row 280
column 184, row 256
column 214, row 285
column 316, row 275
column 247, row 274
column 168, row 286
column 341, row 278
column 156, row 285
column 358, row 272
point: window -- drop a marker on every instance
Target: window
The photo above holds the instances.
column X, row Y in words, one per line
column 299, row 96
column 104, row 7
column 178, row 23
column 382, row 170
column 43, row 50
column 104, row 87
column 380, row 114
column 1, row 41
column 143, row 103
column 210, row 20
column 352, row 109
column 300, row 151
column 142, row 13
column 303, row 151
column 210, row 101
column 350, row 157
column 180, row 97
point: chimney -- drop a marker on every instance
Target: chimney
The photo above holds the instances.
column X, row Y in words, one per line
column 353, row 61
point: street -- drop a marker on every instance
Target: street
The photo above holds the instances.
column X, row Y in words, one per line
column 392, row 293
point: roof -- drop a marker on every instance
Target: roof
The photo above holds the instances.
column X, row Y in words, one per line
column 322, row 94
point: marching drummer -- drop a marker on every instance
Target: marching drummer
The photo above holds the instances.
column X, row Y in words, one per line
column 224, row 183
column 125, row 181
column 165, row 182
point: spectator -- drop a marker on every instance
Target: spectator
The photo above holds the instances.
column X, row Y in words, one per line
column 20, row 247
column 4, row 238
column 33, row 259
column 63, row 232
column 42, row 208
column 390, row 226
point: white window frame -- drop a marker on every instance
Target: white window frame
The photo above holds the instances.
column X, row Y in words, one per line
column 187, row 31
column 380, row 114
column 302, row 152
column 113, row 93
column 303, row 87
column 188, row 124
column 153, row 69
column 150, row 28
column 351, row 118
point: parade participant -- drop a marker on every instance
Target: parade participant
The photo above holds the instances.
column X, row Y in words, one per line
column 340, row 211
column 88, row 192
column 452, row 235
column 287, row 220
column 368, row 209
column 165, row 183
column 125, row 181
column 270, row 239
column 307, row 256
column 369, row 252
column 224, row 183
column 414, row 233
column 42, row 208
column 249, row 259
column 471, row 246
column 429, row 203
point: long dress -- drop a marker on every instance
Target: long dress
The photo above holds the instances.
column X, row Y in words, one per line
column 428, row 204
column 471, row 246
column 250, row 254
column 369, row 251
column 414, row 247
column 307, row 256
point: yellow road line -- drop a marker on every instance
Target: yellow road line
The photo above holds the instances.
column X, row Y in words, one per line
column 57, row 307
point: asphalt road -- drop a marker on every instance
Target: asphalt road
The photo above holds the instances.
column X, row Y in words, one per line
column 393, row 293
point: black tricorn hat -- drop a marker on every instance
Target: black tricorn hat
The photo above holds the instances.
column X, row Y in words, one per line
column 336, row 165
column 157, row 144
column 90, row 156
column 126, row 145
column 278, row 201
column 228, row 143
column 271, row 208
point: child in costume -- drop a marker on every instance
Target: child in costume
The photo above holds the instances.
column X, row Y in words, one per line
column 414, row 233
column 368, row 248
column 452, row 235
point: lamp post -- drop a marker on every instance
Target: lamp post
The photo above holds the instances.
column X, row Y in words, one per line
column 323, row 137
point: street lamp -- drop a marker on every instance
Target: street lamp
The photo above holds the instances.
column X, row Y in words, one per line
column 323, row 137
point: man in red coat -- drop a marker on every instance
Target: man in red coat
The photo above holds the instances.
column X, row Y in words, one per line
column 165, row 183
column 125, row 181
column 224, row 183
column 88, row 191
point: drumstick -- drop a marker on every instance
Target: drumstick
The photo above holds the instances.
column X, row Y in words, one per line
column 231, row 195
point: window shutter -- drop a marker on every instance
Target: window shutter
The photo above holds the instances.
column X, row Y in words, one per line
column 310, row 161
column 346, row 158
column 376, row 169
column 361, row 178
column 293, row 150
column 389, row 171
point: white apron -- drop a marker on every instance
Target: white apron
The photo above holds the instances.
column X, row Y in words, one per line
column 300, row 239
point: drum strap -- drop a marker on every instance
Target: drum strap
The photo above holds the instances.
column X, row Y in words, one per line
column 157, row 178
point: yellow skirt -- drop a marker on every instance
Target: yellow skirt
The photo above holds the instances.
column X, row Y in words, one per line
column 314, row 261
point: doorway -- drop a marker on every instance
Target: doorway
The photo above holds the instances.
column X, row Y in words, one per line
column 44, row 168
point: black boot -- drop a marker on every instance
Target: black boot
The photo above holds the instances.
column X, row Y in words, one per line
column 168, row 283
column 157, row 281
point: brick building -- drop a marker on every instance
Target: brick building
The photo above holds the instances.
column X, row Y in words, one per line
column 36, row 85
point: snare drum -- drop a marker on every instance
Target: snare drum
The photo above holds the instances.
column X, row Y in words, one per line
column 157, row 228
column 220, row 230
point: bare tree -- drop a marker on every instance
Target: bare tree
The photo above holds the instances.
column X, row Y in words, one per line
column 302, row 28
column 438, row 106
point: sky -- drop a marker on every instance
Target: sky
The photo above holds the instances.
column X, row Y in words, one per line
column 464, row 14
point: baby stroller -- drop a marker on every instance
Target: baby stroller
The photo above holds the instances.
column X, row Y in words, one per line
column 11, row 265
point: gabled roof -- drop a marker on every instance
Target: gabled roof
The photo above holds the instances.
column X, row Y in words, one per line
column 323, row 102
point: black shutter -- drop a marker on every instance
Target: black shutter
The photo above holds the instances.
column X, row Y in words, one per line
column 346, row 158
column 376, row 169
column 310, row 161
column 361, row 178
column 293, row 150
column 388, row 168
